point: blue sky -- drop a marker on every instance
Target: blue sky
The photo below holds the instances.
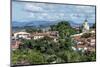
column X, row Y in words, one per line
column 26, row 12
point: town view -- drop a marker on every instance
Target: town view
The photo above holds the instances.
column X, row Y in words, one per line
column 46, row 33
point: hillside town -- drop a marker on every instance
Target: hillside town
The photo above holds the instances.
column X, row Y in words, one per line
column 47, row 33
column 82, row 43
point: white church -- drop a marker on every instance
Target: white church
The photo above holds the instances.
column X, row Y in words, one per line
column 85, row 27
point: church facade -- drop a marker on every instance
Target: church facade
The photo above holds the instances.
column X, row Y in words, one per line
column 85, row 27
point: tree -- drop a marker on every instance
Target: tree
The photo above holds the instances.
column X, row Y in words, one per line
column 51, row 58
column 88, row 56
column 26, row 44
column 64, row 29
column 50, row 51
column 31, row 30
column 80, row 29
column 94, row 25
column 35, row 57
column 19, row 56
column 86, row 35
column 30, row 57
column 69, row 56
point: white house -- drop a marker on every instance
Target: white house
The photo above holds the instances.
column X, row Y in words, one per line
column 38, row 37
column 53, row 35
column 23, row 35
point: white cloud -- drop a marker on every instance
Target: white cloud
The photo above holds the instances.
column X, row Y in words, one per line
column 85, row 9
column 43, row 11
column 33, row 7
column 45, row 14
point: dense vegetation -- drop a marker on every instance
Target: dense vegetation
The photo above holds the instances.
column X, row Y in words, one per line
column 64, row 29
column 31, row 30
column 45, row 50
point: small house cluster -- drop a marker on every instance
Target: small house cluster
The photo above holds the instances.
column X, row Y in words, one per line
column 84, row 44
column 35, row 35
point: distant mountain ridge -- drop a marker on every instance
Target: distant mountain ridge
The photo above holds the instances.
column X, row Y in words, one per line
column 43, row 24
column 33, row 23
